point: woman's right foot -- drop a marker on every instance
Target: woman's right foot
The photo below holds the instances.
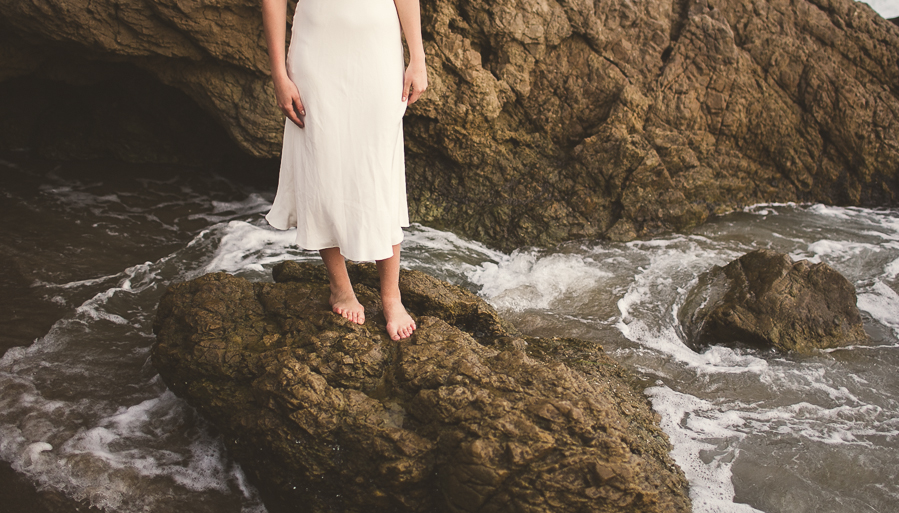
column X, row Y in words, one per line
column 347, row 306
column 399, row 323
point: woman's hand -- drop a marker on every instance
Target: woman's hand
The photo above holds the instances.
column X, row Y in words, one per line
column 289, row 100
column 416, row 79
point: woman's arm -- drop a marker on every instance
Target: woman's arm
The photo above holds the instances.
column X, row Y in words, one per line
column 416, row 76
column 274, row 21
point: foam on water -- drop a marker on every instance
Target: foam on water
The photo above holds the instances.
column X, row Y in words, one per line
column 226, row 210
column 82, row 410
column 882, row 303
column 886, row 8
column 523, row 280
column 249, row 247
column 700, row 448
column 721, row 406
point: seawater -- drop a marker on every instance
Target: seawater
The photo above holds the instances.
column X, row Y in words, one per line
column 83, row 411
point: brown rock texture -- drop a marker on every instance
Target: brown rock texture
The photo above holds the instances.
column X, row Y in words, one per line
column 555, row 119
column 765, row 299
column 464, row 416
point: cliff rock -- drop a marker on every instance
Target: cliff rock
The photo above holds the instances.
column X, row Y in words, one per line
column 764, row 299
column 464, row 416
column 558, row 119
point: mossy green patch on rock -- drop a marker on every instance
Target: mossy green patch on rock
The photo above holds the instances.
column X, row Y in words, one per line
column 465, row 415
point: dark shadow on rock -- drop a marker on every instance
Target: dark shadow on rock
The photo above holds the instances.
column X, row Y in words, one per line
column 113, row 111
column 764, row 299
column 466, row 415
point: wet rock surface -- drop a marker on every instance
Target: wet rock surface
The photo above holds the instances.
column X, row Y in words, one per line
column 764, row 299
column 466, row 415
column 555, row 120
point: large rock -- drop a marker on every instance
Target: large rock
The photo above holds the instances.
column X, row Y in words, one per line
column 764, row 299
column 553, row 120
column 465, row 416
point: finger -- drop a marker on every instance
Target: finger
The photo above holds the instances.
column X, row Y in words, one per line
column 407, row 83
column 414, row 96
column 299, row 111
column 298, row 105
column 292, row 115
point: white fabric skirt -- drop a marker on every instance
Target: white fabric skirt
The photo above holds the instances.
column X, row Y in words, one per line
column 342, row 181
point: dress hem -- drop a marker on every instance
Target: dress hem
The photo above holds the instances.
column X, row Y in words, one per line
column 319, row 247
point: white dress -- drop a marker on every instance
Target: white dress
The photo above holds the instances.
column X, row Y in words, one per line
column 342, row 181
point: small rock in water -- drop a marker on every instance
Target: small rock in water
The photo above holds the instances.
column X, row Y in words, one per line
column 466, row 415
column 765, row 299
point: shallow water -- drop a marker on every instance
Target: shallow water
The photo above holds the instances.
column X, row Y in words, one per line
column 83, row 411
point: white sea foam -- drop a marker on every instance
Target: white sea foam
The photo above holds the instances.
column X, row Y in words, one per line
column 248, row 247
column 886, row 8
column 697, row 429
column 418, row 235
column 125, row 440
column 835, row 250
column 526, row 280
column 77, row 283
column 882, row 303
column 831, row 211
column 713, row 360
column 892, row 269
column 227, row 210
column 81, row 411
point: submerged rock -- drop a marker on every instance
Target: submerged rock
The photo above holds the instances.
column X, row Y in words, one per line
column 464, row 416
column 765, row 299
column 555, row 120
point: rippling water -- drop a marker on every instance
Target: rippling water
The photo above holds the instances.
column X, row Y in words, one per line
column 83, row 411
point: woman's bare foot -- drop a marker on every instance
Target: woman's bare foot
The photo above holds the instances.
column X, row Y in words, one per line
column 347, row 306
column 343, row 299
column 399, row 323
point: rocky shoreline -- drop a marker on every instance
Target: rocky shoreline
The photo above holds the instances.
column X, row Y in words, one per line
column 466, row 415
column 544, row 121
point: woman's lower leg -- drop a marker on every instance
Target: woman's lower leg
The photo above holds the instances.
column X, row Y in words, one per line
column 343, row 299
column 399, row 323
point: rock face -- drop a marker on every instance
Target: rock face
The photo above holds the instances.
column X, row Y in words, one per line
column 465, row 416
column 558, row 119
column 765, row 299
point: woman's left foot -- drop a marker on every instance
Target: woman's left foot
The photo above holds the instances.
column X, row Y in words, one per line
column 399, row 323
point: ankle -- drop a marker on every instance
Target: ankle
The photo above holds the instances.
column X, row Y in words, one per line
column 391, row 297
column 342, row 292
